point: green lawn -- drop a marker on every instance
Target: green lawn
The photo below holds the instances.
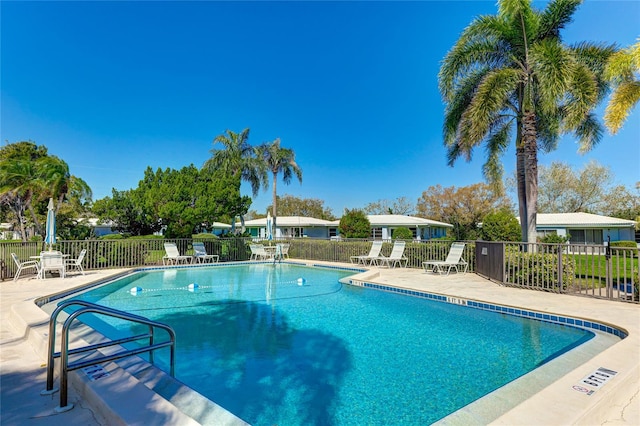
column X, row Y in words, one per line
column 594, row 267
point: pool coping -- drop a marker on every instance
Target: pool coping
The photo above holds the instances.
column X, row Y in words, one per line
column 561, row 403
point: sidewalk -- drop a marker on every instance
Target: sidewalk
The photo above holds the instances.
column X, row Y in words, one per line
column 22, row 369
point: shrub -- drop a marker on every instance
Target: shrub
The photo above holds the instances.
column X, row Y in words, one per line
column 204, row 235
column 500, row 225
column 123, row 253
column 354, row 224
column 555, row 239
column 402, row 233
column 630, row 244
column 112, row 237
column 624, row 245
column 539, row 270
column 146, row 237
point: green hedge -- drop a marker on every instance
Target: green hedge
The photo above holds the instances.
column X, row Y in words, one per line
column 539, row 270
column 630, row 244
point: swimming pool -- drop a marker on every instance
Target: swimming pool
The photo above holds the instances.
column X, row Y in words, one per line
column 291, row 345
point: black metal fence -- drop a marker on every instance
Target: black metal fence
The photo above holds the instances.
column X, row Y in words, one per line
column 585, row 270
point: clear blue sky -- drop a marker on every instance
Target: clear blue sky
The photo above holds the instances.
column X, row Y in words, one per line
column 351, row 87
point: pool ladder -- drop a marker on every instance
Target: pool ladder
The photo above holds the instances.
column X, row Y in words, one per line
column 66, row 366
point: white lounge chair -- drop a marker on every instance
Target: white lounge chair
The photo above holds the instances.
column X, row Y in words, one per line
column 173, row 256
column 201, row 255
column 51, row 261
column 258, row 252
column 76, row 263
column 395, row 258
column 23, row 266
column 374, row 253
column 454, row 260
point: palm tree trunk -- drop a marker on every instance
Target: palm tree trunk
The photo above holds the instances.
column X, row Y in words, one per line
column 530, row 154
column 522, row 197
column 274, row 209
column 36, row 222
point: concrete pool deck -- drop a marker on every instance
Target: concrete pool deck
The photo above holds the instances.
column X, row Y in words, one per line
column 22, row 356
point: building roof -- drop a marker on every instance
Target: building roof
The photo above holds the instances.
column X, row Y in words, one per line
column 401, row 220
column 288, row 221
column 374, row 219
column 586, row 220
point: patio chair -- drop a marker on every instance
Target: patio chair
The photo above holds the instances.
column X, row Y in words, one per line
column 395, row 258
column 201, row 255
column 173, row 256
column 284, row 250
column 76, row 263
column 23, row 266
column 258, row 252
column 454, row 260
column 51, row 261
column 374, row 252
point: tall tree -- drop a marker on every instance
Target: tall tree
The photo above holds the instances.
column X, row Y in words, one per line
column 463, row 207
column 181, row 202
column 589, row 189
column 279, row 160
column 511, row 72
column 623, row 70
column 61, row 184
column 288, row 205
column 238, row 159
column 400, row 205
column 29, row 176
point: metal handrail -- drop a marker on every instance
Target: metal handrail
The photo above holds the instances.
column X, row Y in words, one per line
column 64, row 353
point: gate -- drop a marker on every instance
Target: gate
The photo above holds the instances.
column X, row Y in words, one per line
column 490, row 260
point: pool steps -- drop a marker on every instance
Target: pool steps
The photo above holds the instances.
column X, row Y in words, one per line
column 128, row 394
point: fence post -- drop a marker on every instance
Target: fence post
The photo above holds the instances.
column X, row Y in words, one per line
column 608, row 268
column 560, row 269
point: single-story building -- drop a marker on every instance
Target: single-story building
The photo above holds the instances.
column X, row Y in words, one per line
column 292, row 227
column 586, row 228
column 382, row 227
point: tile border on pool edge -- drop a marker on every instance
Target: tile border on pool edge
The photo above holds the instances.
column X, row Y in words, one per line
column 492, row 307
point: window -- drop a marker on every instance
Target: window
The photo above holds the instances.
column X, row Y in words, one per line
column 586, row 236
column 376, row 233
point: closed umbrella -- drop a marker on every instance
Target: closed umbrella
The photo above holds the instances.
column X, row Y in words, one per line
column 269, row 227
column 50, row 229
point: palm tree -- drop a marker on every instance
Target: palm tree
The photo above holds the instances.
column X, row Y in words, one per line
column 279, row 160
column 59, row 183
column 622, row 71
column 238, row 159
column 511, row 72
column 21, row 183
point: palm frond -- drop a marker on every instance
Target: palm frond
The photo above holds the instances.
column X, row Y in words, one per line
column 589, row 133
column 582, row 97
column 554, row 68
column 491, row 98
column 460, row 100
column 623, row 100
column 497, row 144
column 557, row 14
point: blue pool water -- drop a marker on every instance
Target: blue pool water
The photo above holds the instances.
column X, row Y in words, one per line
column 291, row 345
